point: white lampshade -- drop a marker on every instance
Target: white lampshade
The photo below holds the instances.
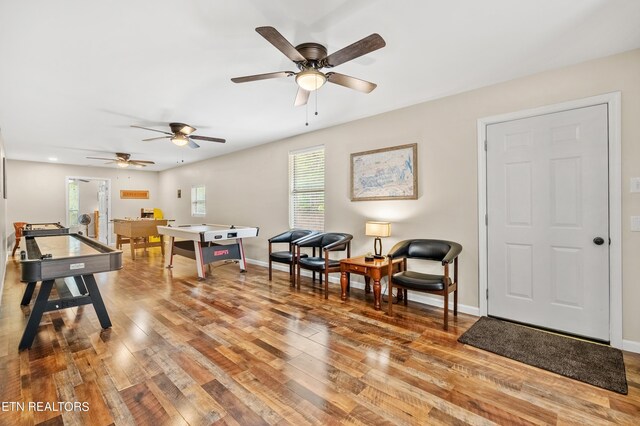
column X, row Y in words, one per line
column 310, row 79
column 180, row 140
column 123, row 164
column 377, row 229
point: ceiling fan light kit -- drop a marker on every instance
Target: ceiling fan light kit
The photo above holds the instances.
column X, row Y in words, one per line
column 180, row 140
column 310, row 79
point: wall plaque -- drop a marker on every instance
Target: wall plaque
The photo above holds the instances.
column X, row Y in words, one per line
column 131, row 194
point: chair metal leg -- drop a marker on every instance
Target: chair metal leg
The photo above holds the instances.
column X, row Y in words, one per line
column 326, row 285
column 455, row 301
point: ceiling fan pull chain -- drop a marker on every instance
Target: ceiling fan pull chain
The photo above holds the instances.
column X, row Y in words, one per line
column 316, row 93
column 306, row 114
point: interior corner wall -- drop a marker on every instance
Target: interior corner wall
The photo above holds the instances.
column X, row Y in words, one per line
column 3, row 222
column 37, row 191
column 250, row 187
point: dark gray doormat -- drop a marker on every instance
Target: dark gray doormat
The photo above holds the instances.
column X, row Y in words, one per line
column 598, row 365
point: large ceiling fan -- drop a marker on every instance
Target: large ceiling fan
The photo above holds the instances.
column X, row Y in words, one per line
column 124, row 160
column 310, row 58
column 181, row 135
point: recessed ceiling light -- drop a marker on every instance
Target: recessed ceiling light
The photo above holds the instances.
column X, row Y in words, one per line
column 53, row 159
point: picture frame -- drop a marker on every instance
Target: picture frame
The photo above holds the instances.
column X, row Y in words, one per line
column 385, row 174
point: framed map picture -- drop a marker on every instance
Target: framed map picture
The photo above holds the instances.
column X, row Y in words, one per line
column 385, row 174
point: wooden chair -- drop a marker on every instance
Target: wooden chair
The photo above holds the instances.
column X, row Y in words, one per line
column 17, row 226
column 287, row 257
column 325, row 243
column 434, row 250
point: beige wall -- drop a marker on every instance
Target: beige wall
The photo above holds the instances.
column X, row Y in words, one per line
column 250, row 187
column 37, row 190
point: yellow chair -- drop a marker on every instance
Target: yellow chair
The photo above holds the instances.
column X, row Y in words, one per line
column 157, row 214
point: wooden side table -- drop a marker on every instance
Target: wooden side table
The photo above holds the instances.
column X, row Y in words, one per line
column 375, row 269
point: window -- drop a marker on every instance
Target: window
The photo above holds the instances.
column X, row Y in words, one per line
column 198, row 201
column 306, row 189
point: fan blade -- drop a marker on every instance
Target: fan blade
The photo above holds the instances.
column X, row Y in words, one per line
column 207, row 138
column 140, row 163
column 350, row 82
column 266, row 76
column 301, row 97
column 192, row 144
column 153, row 130
column 160, row 137
column 355, row 50
column 100, row 158
column 282, row 44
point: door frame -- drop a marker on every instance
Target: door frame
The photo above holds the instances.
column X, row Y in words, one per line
column 66, row 201
column 613, row 102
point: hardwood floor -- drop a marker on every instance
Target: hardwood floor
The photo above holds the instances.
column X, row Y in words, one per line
column 237, row 349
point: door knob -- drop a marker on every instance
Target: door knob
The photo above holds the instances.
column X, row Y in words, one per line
column 598, row 241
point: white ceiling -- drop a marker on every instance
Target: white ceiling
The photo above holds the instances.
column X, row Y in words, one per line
column 75, row 74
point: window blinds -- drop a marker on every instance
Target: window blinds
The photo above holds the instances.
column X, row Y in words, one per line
column 306, row 199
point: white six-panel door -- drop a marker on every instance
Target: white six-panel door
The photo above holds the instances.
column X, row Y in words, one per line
column 547, row 205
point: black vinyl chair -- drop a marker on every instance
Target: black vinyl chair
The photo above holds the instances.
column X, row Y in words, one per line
column 434, row 250
column 287, row 257
column 325, row 243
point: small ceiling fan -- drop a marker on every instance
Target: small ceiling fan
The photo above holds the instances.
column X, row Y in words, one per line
column 124, row 160
column 310, row 58
column 181, row 135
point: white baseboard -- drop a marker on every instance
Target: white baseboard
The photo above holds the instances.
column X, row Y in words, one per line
column 631, row 346
column 358, row 282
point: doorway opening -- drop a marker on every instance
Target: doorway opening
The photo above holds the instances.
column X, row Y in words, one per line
column 88, row 203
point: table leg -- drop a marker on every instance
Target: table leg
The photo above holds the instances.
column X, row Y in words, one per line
column 367, row 284
column 170, row 265
column 242, row 262
column 344, row 280
column 28, row 293
column 376, row 294
column 96, row 300
column 80, row 284
column 132, row 243
column 199, row 261
column 36, row 315
column 162, row 244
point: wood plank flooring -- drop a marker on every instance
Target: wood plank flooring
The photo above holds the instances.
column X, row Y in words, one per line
column 238, row 349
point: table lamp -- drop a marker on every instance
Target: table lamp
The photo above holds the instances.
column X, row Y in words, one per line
column 377, row 229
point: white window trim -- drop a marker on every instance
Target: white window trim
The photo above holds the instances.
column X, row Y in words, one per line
column 204, row 201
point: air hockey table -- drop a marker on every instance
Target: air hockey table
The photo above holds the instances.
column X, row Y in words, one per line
column 208, row 243
column 67, row 261
column 38, row 229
